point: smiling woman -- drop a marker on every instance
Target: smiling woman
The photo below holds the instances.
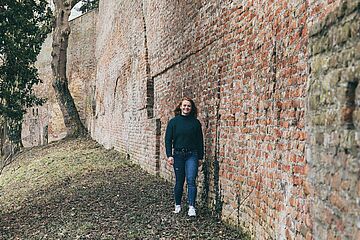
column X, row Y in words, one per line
column 185, row 150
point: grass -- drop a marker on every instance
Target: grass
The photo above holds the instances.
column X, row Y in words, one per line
column 40, row 167
column 76, row 189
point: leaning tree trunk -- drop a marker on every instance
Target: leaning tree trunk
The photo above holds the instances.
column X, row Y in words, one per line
column 59, row 58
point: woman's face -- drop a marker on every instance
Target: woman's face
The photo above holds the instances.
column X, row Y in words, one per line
column 185, row 107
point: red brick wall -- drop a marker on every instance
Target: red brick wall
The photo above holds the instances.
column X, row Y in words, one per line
column 246, row 67
column 247, row 64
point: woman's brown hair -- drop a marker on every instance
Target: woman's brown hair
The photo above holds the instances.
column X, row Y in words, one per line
column 193, row 112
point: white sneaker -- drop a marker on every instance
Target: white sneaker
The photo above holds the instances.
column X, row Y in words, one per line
column 192, row 212
column 177, row 208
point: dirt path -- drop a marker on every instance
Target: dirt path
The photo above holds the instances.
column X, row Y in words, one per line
column 78, row 190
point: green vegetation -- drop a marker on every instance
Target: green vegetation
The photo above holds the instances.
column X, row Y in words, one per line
column 89, row 5
column 24, row 25
column 41, row 167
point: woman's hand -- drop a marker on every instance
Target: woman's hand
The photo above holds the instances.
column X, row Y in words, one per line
column 170, row 161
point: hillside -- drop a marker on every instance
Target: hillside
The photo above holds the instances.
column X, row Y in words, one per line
column 76, row 189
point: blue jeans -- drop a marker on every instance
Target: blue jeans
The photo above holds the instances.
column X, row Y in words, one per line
column 185, row 166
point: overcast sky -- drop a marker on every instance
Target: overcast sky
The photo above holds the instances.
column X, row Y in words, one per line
column 75, row 11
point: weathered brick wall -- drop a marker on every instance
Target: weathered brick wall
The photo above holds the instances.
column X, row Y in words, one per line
column 245, row 64
column 45, row 123
column 248, row 65
column 333, row 119
column 122, row 109
column 81, row 65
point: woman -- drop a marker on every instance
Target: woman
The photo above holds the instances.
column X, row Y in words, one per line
column 185, row 150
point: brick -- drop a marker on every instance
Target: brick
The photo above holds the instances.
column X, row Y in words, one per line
column 319, row 65
column 299, row 170
column 356, row 234
column 308, row 188
column 308, row 222
column 346, row 115
column 339, row 202
column 341, row 34
column 297, row 180
column 327, row 215
column 336, row 181
column 309, row 236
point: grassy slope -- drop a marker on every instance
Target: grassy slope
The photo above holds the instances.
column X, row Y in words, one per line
column 41, row 167
column 78, row 190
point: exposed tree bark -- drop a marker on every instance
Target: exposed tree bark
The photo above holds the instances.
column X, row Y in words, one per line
column 59, row 58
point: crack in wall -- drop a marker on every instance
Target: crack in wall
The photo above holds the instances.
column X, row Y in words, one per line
column 116, row 84
column 150, row 95
column 149, row 80
column 211, row 169
column 216, row 178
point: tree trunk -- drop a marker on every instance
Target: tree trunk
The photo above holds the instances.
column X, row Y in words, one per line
column 59, row 58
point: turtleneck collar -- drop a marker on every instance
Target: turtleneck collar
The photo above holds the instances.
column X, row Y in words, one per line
column 185, row 116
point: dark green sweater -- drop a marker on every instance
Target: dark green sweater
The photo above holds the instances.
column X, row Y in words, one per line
column 184, row 132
